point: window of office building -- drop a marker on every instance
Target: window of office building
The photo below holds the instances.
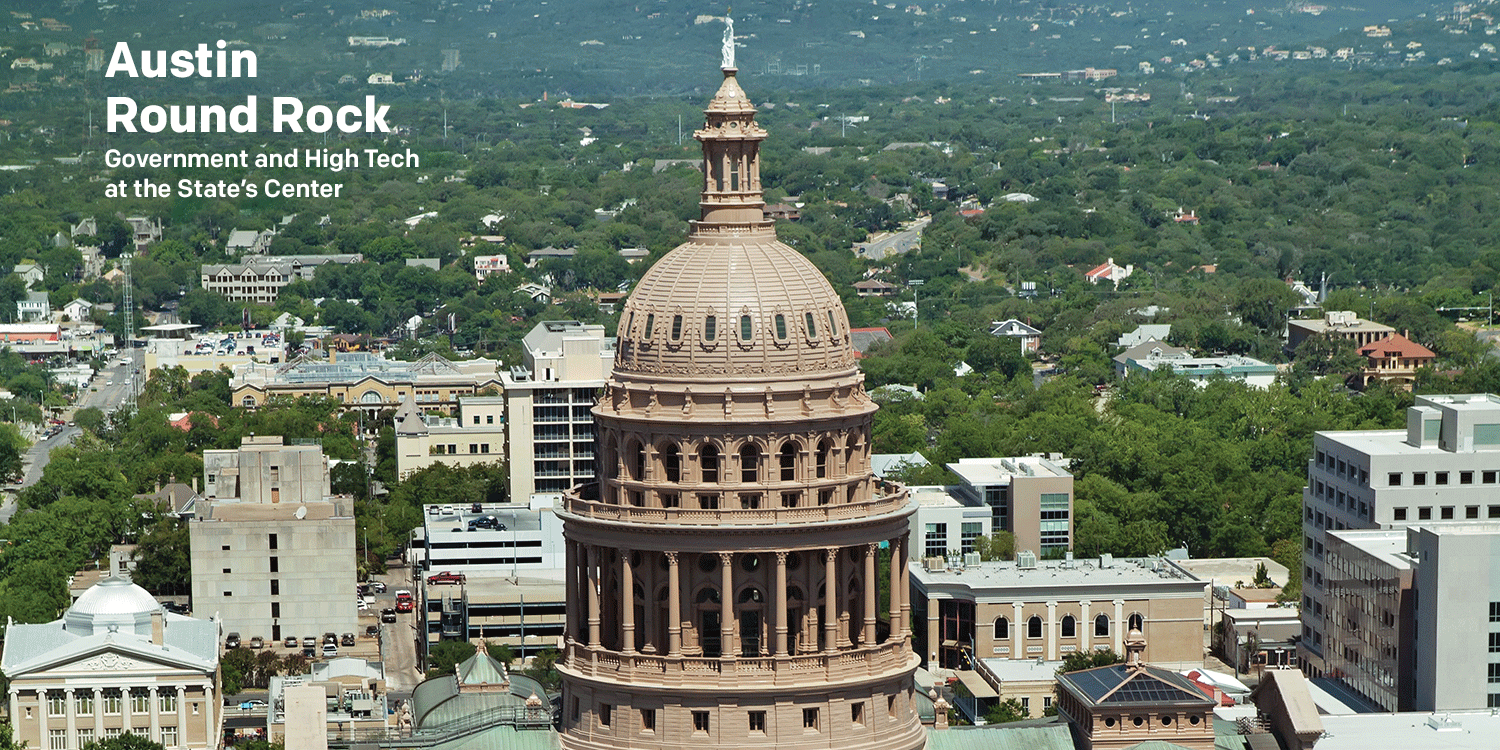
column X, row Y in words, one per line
column 970, row 531
column 937, row 540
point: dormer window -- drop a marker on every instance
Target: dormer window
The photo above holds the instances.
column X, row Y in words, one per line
column 781, row 326
column 747, row 329
column 710, row 328
column 650, row 323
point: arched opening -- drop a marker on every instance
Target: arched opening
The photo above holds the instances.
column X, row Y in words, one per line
column 635, row 461
column 708, row 604
column 1069, row 626
column 1136, row 622
column 850, row 464
column 789, row 461
column 671, row 462
column 822, row 460
column 750, row 464
column 749, row 607
column 1034, row 627
column 708, row 462
column 1101, row 626
column 248, row 402
column 710, row 328
column 1002, row 629
column 796, row 610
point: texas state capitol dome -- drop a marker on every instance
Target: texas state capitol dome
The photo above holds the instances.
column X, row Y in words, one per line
column 722, row 573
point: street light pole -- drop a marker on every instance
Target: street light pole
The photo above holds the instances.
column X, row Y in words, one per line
column 916, row 310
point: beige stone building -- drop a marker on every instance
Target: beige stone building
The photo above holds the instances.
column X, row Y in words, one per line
column 368, row 382
column 1135, row 705
column 1029, row 496
column 115, row 663
column 722, row 573
column 1047, row 609
column 475, row 435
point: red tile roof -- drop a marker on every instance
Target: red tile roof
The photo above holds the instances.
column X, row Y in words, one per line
column 1396, row 345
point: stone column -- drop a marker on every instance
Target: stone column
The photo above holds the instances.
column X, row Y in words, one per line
column 627, row 603
column 830, row 600
column 181, row 715
column 15, row 711
column 593, row 596
column 153, row 709
column 1086, row 633
column 906, row 584
column 728, row 649
column 70, row 709
column 934, row 636
column 571, row 613
column 1118, row 629
column 127, row 722
column 897, row 594
column 98, row 714
column 1051, row 631
column 868, row 637
column 674, row 607
column 1017, row 632
column 781, row 613
column 210, row 724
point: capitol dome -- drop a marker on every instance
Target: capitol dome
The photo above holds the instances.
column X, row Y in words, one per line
column 113, row 602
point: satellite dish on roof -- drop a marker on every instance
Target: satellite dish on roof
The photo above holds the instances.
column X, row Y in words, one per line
column 301, row 512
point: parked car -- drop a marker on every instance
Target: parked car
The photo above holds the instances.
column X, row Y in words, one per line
column 309, row 642
column 257, row 642
column 252, row 705
column 372, row 631
column 378, row 586
column 233, row 641
column 405, row 605
column 387, row 615
column 290, row 642
column 347, row 639
column 330, row 637
column 476, row 508
column 310, row 652
column 444, row 577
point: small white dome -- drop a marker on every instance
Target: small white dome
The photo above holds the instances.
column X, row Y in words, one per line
column 113, row 601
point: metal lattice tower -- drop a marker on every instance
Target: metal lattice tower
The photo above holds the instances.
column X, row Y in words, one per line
column 129, row 305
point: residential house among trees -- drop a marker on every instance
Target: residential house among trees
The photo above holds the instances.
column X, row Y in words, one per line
column 1108, row 271
column 1394, row 359
column 1030, row 338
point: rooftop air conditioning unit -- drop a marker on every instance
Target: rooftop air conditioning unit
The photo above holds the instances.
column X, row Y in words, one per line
column 971, row 558
column 1026, row 560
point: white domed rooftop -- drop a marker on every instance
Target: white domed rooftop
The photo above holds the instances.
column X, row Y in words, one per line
column 113, row 602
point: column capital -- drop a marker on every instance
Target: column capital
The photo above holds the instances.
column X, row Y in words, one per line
column 831, row 553
column 69, row 691
column 1086, row 603
column 871, row 549
column 726, row 558
column 671, row 557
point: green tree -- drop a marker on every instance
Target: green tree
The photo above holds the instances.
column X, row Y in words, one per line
column 1080, row 660
column 543, row 669
column 1000, row 545
column 128, row 741
column 1007, row 711
column 163, row 564
column 444, row 656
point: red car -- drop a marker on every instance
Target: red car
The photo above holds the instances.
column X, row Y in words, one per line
column 445, row 577
column 405, row 605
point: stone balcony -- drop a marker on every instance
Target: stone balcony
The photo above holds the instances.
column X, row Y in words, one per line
column 582, row 501
column 842, row 667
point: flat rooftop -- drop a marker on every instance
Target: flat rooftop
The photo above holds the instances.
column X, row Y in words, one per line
column 515, row 518
column 220, row 510
column 1385, row 545
column 981, row 471
column 1002, row 574
column 1475, row 730
column 1227, row 570
column 934, row 496
column 1029, row 670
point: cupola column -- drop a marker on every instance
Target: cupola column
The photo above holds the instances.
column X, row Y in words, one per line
column 593, row 553
column 830, row 600
column 627, row 604
column 727, row 614
column 570, row 549
column 898, row 595
column 870, row 598
column 781, row 613
column 674, row 607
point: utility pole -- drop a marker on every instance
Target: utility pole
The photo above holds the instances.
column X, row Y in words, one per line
column 915, row 308
column 129, row 305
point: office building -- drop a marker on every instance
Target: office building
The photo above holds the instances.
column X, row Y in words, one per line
column 272, row 549
column 1047, row 609
column 1339, row 325
column 367, row 382
column 1441, row 471
column 721, row 572
column 1030, row 496
column 549, row 425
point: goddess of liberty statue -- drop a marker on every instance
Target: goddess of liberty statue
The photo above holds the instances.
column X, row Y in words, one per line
column 728, row 47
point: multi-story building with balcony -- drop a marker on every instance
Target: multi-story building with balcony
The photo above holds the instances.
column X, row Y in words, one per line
column 1440, row 473
column 722, row 572
column 548, row 398
column 367, row 382
column 260, row 281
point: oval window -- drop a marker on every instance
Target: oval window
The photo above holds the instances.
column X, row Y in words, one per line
column 745, row 328
column 676, row 327
column 650, row 323
column 710, row 328
column 780, row 326
column 812, row 327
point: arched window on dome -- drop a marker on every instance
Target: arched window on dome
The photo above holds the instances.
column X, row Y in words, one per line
column 747, row 328
column 1034, row 627
column 750, row 464
column 1002, row 629
column 671, row 462
column 812, row 325
column 710, row 328
column 851, row 464
column 789, row 461
column 676, row 327
column 708, row 463
column 780, row 327
column 650, row 324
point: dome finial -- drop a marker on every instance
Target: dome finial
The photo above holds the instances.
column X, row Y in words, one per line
column 727, row 50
